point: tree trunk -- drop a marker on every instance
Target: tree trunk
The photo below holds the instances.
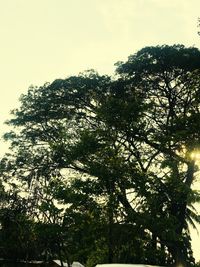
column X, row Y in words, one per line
column 110, row 230
column 179, row 250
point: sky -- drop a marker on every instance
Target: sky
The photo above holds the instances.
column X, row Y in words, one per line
column 43, row 40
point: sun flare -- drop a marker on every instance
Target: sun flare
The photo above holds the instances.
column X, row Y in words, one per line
column 195, row 155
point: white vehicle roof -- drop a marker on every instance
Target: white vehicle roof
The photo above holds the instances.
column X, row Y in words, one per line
column 124, row 265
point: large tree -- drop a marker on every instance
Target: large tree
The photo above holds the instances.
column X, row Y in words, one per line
column 166, row 138
column 132, row 135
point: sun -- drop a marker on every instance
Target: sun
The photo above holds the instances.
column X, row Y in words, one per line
column 195, row 155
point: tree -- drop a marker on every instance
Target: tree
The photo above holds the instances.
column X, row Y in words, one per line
column 17, row 229
column 169, row 80
column 133, row 136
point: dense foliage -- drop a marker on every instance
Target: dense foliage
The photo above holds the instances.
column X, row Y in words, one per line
column 106, row 165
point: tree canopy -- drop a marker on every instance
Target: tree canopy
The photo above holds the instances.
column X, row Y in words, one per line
column 118, row 154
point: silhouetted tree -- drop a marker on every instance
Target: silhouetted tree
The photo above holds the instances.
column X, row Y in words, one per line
column 131, row 137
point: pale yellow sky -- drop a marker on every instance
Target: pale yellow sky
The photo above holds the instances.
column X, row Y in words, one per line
column 41, row 40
